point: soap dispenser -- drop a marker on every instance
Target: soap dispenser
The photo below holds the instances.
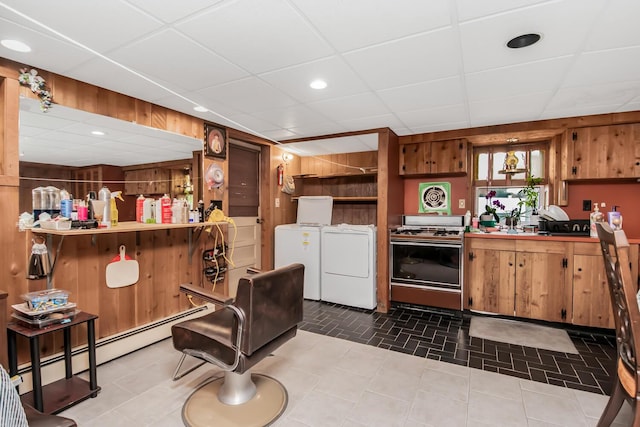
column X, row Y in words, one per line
column 615, row 219
column 595, row 216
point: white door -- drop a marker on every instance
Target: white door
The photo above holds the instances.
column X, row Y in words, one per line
column 246, row 249
column 244, row 209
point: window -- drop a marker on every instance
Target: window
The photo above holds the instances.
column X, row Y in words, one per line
column 495, row 169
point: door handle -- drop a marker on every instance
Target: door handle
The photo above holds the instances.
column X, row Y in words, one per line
column 259, row 221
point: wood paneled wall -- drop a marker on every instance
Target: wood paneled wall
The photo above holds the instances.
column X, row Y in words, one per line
column 344, row 163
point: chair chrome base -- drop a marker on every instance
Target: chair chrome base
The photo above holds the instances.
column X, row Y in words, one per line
column 204, row 407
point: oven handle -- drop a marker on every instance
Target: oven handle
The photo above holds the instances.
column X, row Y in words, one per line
column 425, row 243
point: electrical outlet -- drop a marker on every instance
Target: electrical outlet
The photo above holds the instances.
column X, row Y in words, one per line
column 461, row 203
column 586, row 205
column 277, row 202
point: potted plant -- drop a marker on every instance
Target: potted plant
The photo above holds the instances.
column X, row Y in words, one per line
column 491, row 209
column 529, row 197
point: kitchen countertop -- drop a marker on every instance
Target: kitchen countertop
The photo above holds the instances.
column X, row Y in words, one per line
column 536, row 236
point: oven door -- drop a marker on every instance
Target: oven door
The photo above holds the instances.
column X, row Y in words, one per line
column 432, row 264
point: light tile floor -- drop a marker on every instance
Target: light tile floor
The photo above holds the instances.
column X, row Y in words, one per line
column 334, row 382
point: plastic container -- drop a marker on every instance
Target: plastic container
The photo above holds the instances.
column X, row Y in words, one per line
column 165, row 209
column 615, row 219
column 594, row 217
column 140, row 208
column 105, row 195
column 46, row 301
column 56, row 225
column 148, row 213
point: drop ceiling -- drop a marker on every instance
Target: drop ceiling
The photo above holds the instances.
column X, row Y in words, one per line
column 411, row 65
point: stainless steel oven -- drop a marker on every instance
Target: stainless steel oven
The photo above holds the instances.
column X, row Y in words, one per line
column 425, row 261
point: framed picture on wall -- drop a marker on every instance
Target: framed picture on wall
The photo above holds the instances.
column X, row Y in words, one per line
column 215, row 142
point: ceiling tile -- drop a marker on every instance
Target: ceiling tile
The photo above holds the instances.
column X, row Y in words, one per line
column 515, row 109
column 431, row 94
column 518, row 79
column 259, row 36
column 593, row 96
column 351, row 107
column 291, row 117
column 248, row 95
column 377, row 20
column 484, row 40
column 44, row 47
column 473, row 9
column 191, row 65
column 94, row 29
column 407, row 61
column 596, row 67
column 172, row 11
column 294, row 81
column 434, row 116
column 616, row 16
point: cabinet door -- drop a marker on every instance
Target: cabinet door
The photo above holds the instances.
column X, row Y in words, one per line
column 605, row 152
column 541, row 286
column 591, row 299
column 490, row 276
column 448, row 156
column 413, row 158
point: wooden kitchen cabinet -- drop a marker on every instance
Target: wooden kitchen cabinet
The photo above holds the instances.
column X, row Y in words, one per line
column 603, row 152
column 434, row 157
column 591, row 299
column 543, row 287
column 519, row 278
column 491, row 276
column 541, row 279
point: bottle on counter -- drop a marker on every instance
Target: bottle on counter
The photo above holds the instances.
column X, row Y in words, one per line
column 165, row 209
column 467, row 220
column 66, row 204
column 615, row 219
column 140, row 208
column 595, row 217
column 105, row 195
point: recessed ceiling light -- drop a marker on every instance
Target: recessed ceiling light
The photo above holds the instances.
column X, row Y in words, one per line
column 200, row 109
column 523, row 41
column 16, row 45
column 97, row 132
column 318, row 84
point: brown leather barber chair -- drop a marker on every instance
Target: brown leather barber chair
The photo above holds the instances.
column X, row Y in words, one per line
column 237, row 335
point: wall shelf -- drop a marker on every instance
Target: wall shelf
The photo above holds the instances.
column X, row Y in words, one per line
column 122, row 227
column 368, row 199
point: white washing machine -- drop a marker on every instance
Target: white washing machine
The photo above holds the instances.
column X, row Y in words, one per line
column 348, row 265
column 300, row 242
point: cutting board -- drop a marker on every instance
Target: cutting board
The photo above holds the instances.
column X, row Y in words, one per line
column 122, row 271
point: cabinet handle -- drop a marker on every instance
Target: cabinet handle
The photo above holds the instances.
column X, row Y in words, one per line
column 511, row 264
column 520, row 265
column 637, row 163
column 579, row 269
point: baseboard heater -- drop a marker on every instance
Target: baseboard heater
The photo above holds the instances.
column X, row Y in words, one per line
column 107, row 349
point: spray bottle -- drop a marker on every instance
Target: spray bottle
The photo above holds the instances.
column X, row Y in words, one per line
column 114, row 208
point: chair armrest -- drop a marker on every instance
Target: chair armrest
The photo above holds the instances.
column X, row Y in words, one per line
column 213, row 297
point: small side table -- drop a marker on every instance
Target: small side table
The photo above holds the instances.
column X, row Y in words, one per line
column 68, row 391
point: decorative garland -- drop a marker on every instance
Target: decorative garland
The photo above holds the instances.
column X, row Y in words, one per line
column 38, row 86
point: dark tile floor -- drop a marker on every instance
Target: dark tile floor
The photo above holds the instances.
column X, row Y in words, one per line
column 444, row 335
